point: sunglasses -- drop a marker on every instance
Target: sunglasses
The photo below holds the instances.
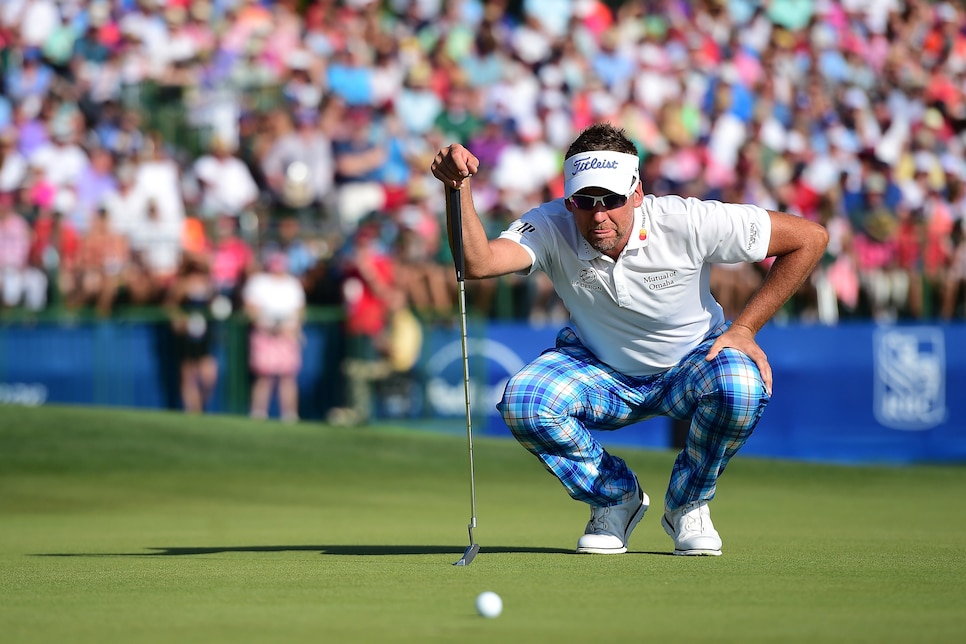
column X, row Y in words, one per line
column 589, row 202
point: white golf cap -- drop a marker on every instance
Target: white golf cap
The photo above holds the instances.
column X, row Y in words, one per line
column 614, row 171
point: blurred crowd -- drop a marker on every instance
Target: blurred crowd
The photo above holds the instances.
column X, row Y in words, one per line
column 146, row 142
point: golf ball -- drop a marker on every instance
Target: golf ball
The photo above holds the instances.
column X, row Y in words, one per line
column 489, row 604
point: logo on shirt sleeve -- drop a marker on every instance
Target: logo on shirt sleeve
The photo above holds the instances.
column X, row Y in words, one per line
column 752, row 236
column 521, row 227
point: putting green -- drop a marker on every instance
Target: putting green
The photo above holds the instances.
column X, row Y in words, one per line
column 133, row 526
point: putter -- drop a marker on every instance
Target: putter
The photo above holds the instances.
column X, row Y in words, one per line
column 455, row 210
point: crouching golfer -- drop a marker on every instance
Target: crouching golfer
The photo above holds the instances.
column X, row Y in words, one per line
column 646, row 337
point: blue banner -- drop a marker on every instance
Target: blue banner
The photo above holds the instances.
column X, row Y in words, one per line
column 852, row 394
column 855, row 393
column 861, row 393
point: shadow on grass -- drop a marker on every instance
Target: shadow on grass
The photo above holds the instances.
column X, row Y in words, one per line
column 338, row 550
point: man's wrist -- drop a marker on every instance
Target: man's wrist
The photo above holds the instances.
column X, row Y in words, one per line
column 743, row 326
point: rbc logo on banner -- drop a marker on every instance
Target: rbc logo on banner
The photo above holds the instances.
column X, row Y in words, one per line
column 910, row 377
column 491, row 365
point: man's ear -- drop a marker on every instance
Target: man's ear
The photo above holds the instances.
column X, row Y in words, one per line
column 638, row 196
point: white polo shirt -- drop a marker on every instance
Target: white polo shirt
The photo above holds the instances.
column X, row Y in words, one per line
column 643, row 313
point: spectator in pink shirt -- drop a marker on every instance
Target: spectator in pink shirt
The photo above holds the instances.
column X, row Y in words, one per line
column 275, row 301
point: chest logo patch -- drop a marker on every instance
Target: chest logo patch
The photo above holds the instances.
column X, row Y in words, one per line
column 587, row 278
column 660, row 281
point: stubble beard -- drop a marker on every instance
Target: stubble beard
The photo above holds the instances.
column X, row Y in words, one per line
column 609, row 244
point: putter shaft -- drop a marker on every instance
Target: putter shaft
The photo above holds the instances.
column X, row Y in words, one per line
column 455, row 209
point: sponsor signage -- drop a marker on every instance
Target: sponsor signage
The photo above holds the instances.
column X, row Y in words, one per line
column 910, row 377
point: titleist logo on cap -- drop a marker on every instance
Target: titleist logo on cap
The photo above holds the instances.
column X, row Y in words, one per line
column 607, row 169
column 592, row 163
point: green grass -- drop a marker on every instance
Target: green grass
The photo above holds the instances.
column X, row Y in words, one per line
column 131, row 526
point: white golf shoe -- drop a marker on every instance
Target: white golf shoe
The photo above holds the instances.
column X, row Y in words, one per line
column 608, row 528
column 691, row 528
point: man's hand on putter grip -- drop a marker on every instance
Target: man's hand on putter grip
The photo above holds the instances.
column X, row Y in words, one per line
column 453, row 164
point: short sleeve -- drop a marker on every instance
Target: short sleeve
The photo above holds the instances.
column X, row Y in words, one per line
column 731, row 233
column 533, row 232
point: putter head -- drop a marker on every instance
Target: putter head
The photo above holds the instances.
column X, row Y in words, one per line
column 468, row 555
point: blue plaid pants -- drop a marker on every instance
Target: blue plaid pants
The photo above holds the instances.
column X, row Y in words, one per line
column 554, row 402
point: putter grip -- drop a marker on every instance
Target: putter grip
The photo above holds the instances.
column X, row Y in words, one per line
column 455, row 215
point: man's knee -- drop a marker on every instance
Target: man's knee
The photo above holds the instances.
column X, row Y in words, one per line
column 525, row 406
column 514, row 406
column 737, row 389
